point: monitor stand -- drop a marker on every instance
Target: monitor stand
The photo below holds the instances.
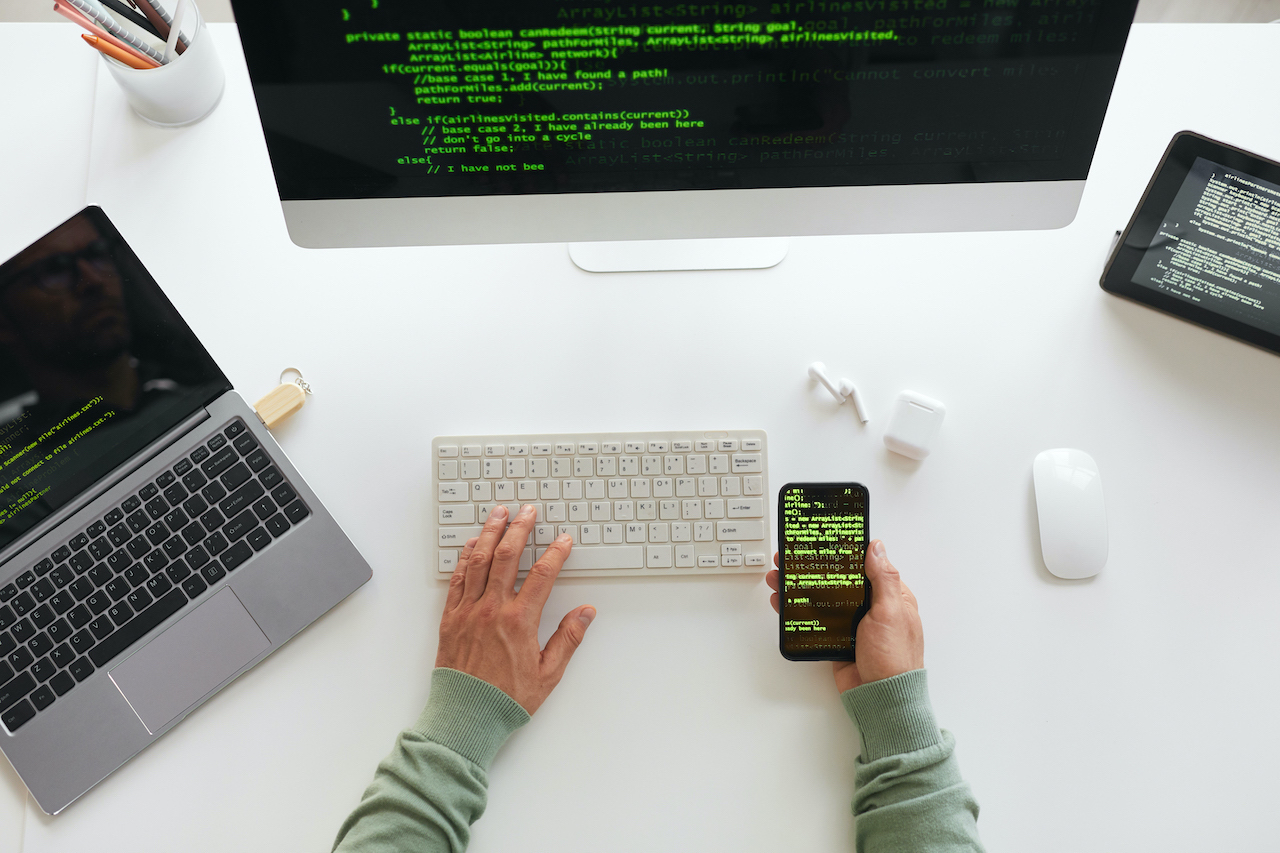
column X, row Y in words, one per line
column 734, row 253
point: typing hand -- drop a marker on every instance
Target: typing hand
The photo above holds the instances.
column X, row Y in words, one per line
column 490, row 631
column 890, row 638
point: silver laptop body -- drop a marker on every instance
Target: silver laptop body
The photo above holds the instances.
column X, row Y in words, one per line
column 279, row 561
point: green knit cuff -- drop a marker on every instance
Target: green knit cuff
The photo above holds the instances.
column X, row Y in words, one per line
column 469, row 716
column 893, row 714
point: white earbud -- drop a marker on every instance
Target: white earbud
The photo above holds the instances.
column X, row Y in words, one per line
column 843, row 391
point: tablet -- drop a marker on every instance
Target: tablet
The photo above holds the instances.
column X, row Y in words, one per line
column 1204, row 243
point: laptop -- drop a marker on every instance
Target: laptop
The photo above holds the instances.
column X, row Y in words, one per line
column 155, row 541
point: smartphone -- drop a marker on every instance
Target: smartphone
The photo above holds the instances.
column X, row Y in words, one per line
column 822, row 586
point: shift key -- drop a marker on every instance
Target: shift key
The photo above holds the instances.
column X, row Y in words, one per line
column 739, row 531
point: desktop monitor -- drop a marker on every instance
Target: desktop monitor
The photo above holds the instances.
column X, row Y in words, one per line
column 394, row 122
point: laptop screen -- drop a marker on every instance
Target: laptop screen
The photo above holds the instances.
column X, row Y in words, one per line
column 95, row 364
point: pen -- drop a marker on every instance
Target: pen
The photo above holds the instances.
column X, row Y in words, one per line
column 175, row 29
column 117, row 54
column 131, row 16
column 108, row 23
column 160, row 18
column 75, row 17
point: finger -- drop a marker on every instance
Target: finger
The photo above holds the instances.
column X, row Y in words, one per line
column 910, row 597
column 886, row 583
column 565, row 641
column 771, row 578
column 773, row 599
column 775, row 559
column 506, row 557
column 482, row 556
column 458, row 580
column 537, row 586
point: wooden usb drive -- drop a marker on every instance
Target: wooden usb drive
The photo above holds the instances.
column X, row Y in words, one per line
column 282, row 401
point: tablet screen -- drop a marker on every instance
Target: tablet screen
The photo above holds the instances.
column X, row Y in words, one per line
column 1218, row 246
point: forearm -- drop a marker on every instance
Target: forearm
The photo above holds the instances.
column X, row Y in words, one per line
column 909, row 793
column 426, row 794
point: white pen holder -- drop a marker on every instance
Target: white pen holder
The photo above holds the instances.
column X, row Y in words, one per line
column 182, row 92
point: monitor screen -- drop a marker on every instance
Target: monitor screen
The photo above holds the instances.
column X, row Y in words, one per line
column 398, row 99
column 95, row 364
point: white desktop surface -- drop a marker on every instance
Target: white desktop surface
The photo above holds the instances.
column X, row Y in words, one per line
column 1131, row 711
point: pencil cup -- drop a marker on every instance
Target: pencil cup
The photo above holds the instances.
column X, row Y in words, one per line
column 181, row 92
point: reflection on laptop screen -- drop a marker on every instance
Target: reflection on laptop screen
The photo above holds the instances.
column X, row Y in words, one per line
column 95, row 364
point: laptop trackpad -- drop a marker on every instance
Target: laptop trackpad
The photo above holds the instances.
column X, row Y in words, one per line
column 175, row 670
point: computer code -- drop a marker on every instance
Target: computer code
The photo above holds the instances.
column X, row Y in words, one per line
column 1219, row 246
column 392, row 97
column 31, row 456
column 824, row 543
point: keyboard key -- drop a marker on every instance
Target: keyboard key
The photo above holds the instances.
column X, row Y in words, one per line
column 81, row 562
column 157, row 533
column 42, row 616
column 213, row 492
column 236, row 476
column 217, row 442
column 739, row 531
column 113, row 517
column 296, row 511
column 7, row 617
column 258, row 538
column 20, row 658
column 212, row 520
column 23, row 630
column 218, row 462
column 244, row 443
column 61, row 554
column 59, row 630
column 277, row 524
column 235, row 556
column 23, row 603
column 138, row 547
column 42, row 589
column 120, row 613
column 175, row 494
column 7, row 644
column 42, row 697
column 119, row 561
column 174, row 547
column 119, row 535
column 81, row 641
column 61, row 683
column 100, row 574
column 199, row 455
column 98, row 602
column 183, row 466
column 194, row 480
column 26, row 579
column 43, row 669
column 283, row 494
column 194, row 532
column 157, row 508
column 62, row 655
column 257, row 460
column 131, row 504
column 155, row 561
column 176, row 571
column 6, row 672
column 43, row 567
column 100, row 548
column 18, row 716
column 216, row 543
column 139, row 599
column 8, row 592
column 79, row 617
column 137, row 522
column 241, row 498
column 236, row 427
column 81, row 669
column 197, row 557
column 149, row 491
column 166, row 479
column 193, row 586
column 62, row 576
column 101, row 627
column 40, row 645
column 118, row 589
column 195, row 506
column 158, row 585
column 618, row 557
column 78, row 542
column 263, row 509
column 176, row 520
column 239, row 526
column 213, row 573
column 271, row 477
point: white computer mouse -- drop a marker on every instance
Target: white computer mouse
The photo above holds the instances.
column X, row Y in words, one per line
column 1073, row 515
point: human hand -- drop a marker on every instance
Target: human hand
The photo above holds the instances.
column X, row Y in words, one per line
column 890, row 638
column 490, row 631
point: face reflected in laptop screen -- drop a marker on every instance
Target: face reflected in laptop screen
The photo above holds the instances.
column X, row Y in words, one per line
column 95, row 364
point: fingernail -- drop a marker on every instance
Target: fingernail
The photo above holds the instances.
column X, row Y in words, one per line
column 586, row 616
column 877, row 548
column 564, row 539
column 499, row 512
column 527, row 509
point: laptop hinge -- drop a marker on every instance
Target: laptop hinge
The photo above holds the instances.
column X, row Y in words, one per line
column 89, row 495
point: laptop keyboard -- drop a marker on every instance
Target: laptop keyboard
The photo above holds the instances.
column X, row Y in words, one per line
column 160, row 549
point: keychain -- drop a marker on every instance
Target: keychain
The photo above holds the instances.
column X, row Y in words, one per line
column 283, row 400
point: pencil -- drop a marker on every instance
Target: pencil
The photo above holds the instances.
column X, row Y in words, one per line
column 74, row 16
column 157, row 15
column 108, row 23
column 117, row 54
column 123, row 10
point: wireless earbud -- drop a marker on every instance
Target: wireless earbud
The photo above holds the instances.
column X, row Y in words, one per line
column 843, row 391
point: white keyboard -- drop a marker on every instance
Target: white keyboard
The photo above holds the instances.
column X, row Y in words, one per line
column 636, row 503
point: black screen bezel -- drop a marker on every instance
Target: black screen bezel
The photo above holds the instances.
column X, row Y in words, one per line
column 782, row 570
column 1175, row 165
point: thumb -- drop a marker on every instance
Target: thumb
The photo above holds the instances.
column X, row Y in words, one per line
column 565, row 641
column 886, row 583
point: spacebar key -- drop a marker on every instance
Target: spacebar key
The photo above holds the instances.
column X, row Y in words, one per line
column 138, row 627
column 624, row 557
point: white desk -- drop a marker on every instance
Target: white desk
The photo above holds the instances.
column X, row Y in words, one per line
column 1133, row 711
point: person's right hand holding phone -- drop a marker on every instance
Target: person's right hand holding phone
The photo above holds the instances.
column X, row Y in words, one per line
column 890, row 637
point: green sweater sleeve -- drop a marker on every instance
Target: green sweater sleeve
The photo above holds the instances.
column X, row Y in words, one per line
column 908, row 792
column 434, row 784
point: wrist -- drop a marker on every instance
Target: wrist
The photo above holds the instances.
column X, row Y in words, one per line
column 893, row 715
column 469, row 716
